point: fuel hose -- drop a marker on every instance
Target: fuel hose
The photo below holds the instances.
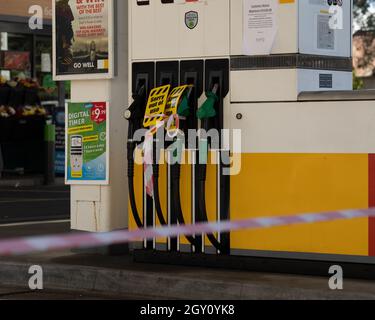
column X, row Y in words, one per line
column 175, row 169
column 134, row 114
column 205, row 113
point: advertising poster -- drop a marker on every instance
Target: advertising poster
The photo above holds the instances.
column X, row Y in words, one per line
column 83, row 39
column 59, row 121
column 87, row 141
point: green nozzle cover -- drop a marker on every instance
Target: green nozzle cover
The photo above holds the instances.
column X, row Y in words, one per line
column 207, row 110
column 183, row 108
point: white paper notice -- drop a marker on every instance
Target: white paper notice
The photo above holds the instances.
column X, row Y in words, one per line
column 260, row 26
column 3, row 41
column 46, row 62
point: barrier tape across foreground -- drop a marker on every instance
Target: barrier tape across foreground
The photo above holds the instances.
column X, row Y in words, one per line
column 88, row 240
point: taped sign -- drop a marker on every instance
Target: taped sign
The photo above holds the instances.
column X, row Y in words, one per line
column 156, row 104
column 173, row 103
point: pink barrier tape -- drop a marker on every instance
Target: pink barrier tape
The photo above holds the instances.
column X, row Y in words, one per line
column 88, row 240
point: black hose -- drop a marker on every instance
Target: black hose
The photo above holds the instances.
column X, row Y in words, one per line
column 155, row 169
column 133, row 204
column 134, row 116
column 202, row 207
column 204, row 216
column 175, row 180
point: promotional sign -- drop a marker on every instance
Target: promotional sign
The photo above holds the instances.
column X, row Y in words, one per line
column 87, row 141
column 59, row 121
column 83, row 39
column 260, row 26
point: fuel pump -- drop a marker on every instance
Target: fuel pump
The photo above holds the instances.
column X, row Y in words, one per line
column 153, row 121
column 284, row 96
column 166, row 74
column 183, row 114
column 134, row 114
column 192, row 73
column 142, row 81
column 211, row 115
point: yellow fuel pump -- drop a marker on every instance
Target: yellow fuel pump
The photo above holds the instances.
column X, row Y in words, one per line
column 306, row 142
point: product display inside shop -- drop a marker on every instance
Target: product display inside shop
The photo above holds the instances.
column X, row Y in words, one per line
column 22, row 122
column 19, row 98
column 28, row 101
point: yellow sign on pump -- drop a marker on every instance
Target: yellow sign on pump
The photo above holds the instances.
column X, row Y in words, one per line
column 173, row 103
column 156, row 104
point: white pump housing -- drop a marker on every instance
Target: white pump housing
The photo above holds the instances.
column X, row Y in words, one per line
column 159, row 30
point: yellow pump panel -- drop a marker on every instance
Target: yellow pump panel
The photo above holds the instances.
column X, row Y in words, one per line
column 284, row 184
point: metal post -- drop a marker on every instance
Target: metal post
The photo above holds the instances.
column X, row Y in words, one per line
column 61, row 93
column 1, row 163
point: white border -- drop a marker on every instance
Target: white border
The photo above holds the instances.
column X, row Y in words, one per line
column 111, row 58
column 88, row 182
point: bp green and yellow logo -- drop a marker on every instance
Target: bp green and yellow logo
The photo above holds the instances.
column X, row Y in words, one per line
column 191, row 19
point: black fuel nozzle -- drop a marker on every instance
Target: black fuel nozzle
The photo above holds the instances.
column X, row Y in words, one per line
column 208, row 109
column 134, row 114
column 206, row 113
column 183, row 109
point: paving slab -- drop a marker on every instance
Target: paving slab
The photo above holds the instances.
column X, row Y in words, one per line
column 119, row 276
